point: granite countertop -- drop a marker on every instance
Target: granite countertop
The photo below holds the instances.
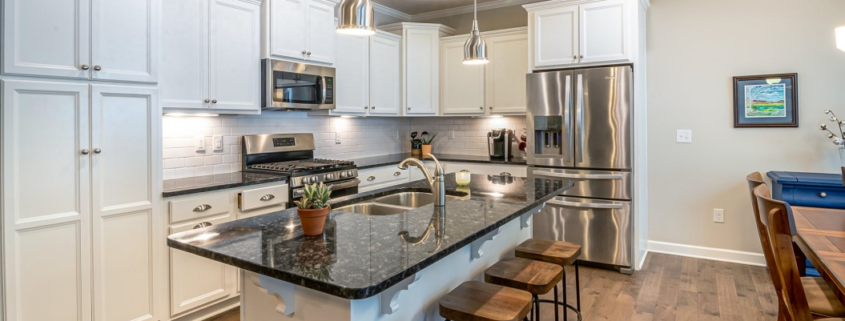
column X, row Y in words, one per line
column 359, row 255
column 395, row 159
column 199, row 184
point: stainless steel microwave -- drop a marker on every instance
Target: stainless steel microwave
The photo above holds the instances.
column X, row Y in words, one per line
column 295, row 86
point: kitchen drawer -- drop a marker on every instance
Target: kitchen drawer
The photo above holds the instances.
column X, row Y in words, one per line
column 199, row 207
column 383, row 175
column 805, row 189
column 263, row 197
column 814, row 196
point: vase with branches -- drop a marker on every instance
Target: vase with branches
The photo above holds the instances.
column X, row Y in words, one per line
column 837, row 139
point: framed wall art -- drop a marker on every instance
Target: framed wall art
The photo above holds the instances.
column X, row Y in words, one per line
column 766, row 101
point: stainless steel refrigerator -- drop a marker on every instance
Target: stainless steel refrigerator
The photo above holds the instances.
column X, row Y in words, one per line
column 580, row 127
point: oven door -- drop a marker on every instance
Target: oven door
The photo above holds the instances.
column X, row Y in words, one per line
column 341, row 188
column 287, row 86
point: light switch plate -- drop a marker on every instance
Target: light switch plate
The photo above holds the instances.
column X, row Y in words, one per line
column 200, row 143
column 718, row 215
column 217, row 143
column 337, row 138
column 684, row 136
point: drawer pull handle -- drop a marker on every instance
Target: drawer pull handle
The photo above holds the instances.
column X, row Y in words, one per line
column 202, row 208
column 371, row 178
column 397, row 173
column 267, row 197
column 202, row 225
column 823, row 194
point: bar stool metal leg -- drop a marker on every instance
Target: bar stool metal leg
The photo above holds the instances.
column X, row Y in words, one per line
column 577, row 287
column 557, row 313
column 565, row 313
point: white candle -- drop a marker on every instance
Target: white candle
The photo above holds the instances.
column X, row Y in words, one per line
column 462, row 177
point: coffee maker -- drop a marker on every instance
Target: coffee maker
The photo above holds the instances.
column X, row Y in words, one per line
column 499, row 143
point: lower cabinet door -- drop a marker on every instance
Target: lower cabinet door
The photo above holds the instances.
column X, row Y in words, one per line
column 197, row 282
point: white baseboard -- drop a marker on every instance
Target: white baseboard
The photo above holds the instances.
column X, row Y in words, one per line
column 642, row 261
column 710, row 253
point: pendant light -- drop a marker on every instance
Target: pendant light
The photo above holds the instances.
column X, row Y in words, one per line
column 356, row 18
column 475, row 49
column 840, row 38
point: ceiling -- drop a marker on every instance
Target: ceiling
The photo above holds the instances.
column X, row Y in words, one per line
column 413, row 7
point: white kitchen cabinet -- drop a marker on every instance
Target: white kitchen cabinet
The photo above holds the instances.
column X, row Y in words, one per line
column 79, row 219
column 299, row 29
column 352, row 70
column 461, row 86
column 420, row 65
column 86, row 39
column 578, row 32
column 210, row 56
column 381, row 177
column 195, row 281
column 495, row 88
column 367, row 76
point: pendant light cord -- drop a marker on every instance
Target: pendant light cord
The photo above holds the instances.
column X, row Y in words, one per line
column 475, row 10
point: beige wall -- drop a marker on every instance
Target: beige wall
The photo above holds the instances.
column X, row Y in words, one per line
column 694, row 48
column 494, row 19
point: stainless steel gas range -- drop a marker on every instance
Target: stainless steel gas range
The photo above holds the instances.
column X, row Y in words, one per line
column 293, row 155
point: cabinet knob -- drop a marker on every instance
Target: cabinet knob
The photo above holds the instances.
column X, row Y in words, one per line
column 207, row 100
column 482, row 108
column 202, row 208
column 374, row 107
column 97, row 68
column 202, row 225
column 371, row 178
column 581, row 56
column 823, row 194
column 214, row 101
column 97, row 150
column 397, row 173
column 309, row 53
column 84, row 152
column 409, row 108
column 575, row 57
column 491, row 107
column 304, row 52
column 84, row 67
column 365, row 107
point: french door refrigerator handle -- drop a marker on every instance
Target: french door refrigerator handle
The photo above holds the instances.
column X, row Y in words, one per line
column 580, row 176
column 580, row 116
column 585, row 205
column 567, row 110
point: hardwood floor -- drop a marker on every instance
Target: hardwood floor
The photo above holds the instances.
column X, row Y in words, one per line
column 667, row 288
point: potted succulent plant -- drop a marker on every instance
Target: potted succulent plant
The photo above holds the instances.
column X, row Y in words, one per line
column 426, row 144
column 313, row 208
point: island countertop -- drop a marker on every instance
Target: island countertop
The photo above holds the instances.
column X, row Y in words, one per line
column 359, row 255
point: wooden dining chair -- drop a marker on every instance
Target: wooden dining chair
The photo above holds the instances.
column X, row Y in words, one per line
column 798, row 298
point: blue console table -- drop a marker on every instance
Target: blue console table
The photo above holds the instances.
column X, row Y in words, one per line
column 808, row 189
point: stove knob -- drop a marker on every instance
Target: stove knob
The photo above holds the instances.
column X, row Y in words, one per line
column 342, row 174
column 329, row 177
column 313, row 179
column 304, row 180
column 350, row 174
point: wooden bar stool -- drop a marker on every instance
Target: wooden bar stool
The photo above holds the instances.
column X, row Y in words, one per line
column 532, row 276
column 560, row 253
column 479, row 301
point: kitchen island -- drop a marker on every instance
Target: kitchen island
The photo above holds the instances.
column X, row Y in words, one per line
column 374, row 267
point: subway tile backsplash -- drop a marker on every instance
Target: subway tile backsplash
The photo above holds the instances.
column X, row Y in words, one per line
column 359, row 137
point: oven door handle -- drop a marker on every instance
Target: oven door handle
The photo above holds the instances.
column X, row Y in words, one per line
column 334, row 186
column 580, row 176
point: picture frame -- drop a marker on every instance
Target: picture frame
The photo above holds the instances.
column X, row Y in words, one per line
column 764, row 101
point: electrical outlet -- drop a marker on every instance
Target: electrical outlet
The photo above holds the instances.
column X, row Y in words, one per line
column 200, row 143
column 684, row 136
column 718, row 215
column 451, row 135
column 217, row 143
column 337, row 138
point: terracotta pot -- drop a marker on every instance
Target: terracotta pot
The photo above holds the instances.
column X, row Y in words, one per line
column 313, row 220
column 426, row 149
column 416, row 152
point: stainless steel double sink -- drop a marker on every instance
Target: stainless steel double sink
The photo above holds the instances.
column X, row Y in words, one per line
column 394, row 203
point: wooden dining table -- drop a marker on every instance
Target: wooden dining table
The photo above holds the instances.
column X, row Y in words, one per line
column 821, row 236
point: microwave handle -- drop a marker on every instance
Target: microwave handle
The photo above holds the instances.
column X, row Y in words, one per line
column 322, row 82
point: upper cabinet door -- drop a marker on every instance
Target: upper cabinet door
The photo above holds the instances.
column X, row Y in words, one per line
column 321, row 32
column 46, row 192
column 461, row 86
column 384, row 75
column 46, row 38
column 555, row 37
column 287, row 21
column 506, row 73
column 124, row 40
column 184, row 54
column 421, row 71
column 603, row 34
column 352, row 72
column 124, row 170
column 234, row 55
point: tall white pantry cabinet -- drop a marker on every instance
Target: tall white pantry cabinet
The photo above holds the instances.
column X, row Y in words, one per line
column 80, row 159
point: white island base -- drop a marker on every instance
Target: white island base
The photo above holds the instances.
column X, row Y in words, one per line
column 414, row 299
